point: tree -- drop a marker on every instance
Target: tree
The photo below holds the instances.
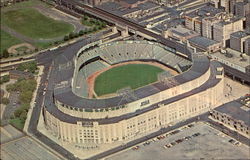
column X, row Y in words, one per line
column 85, row 17
column 4, row 79
column 95, row 28
column 18, row 112
column 81, row 32
column 6, row 54
column 23, row 115
column 25, row 97
column 76, row 35
column 30, row 67
column 71, row 35
column 5, row 101
column 66, row 38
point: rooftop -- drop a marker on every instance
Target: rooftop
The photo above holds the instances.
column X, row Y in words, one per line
column 236, row 111
column 240, row 34
column 235, row 59
column 132, row 1
column 202, row 41
column 67, row 118
column 182, row 31
column 206, row 11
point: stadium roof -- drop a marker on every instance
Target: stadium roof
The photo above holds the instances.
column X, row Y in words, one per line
column 65, row 95
column 63, row 70
column 50, row 106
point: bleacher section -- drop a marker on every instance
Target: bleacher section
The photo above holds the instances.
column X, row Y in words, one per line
column 84, row 73
column 122, row 51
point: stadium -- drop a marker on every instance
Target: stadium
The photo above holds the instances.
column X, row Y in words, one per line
column 107, row 92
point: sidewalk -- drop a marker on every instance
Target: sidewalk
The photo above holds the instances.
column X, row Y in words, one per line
column 6, row 94
column 32, row 103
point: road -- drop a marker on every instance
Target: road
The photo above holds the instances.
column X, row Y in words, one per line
column 131, row 25
column 46, row 59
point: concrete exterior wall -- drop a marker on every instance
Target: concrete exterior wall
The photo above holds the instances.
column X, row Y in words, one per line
column 96, row 134
column 229, row 121
column 238, row 43
column 132, row 107
column 222, row 31
column 247, row 46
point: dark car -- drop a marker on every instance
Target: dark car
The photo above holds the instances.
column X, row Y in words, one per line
column 188, row 138
column 175, row 132
column 173, row 143
column 196, row 134
column 190, row 125
column 168, row 146
column 179, row 141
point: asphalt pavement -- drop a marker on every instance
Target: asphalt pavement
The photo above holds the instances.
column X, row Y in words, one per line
column 11, row 107
column 46, row 59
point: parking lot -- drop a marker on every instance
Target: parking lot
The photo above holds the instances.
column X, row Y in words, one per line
column 194, row 142
column 25, row 148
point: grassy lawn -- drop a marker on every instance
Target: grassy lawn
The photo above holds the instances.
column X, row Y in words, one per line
column 28, row 3
column 18, row 123
column 133, row 75
column 7, row 41
column 32, row 23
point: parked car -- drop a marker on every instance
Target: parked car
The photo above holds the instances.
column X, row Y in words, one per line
column 188, row 138
column 179, row 141
column 175, row 132
column 135, row 147
column 167, row 146
column 196, row 134
column 173, row 143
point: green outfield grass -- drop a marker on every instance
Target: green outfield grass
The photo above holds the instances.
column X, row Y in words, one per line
column 132, row 75
column 32, row 23
column 7, row 41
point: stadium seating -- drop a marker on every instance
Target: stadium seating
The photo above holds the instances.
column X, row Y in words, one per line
column 120, row 51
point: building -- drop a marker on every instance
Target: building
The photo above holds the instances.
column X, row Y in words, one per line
column 73, row 118
column 234, row 115
column 242, row 9
column 236, row 65
column 131, row 3
column 223, row 29
column 179, row 33
column 247, row 46
column 205, row 44
column 208, row 24
column 229, row 5
column 193, row 20
column 238, row 41
column 16, row 74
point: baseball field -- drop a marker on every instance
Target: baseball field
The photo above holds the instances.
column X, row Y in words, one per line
column 130, row 75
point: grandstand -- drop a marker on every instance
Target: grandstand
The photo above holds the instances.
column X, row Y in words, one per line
column 97, row 57
column 72, row 117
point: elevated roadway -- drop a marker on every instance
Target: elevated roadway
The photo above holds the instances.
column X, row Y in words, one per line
column 132, row 26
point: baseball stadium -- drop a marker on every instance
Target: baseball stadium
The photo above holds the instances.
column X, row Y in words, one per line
column 101, row 93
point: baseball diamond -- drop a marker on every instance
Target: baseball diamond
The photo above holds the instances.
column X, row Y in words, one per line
column 131, row 75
